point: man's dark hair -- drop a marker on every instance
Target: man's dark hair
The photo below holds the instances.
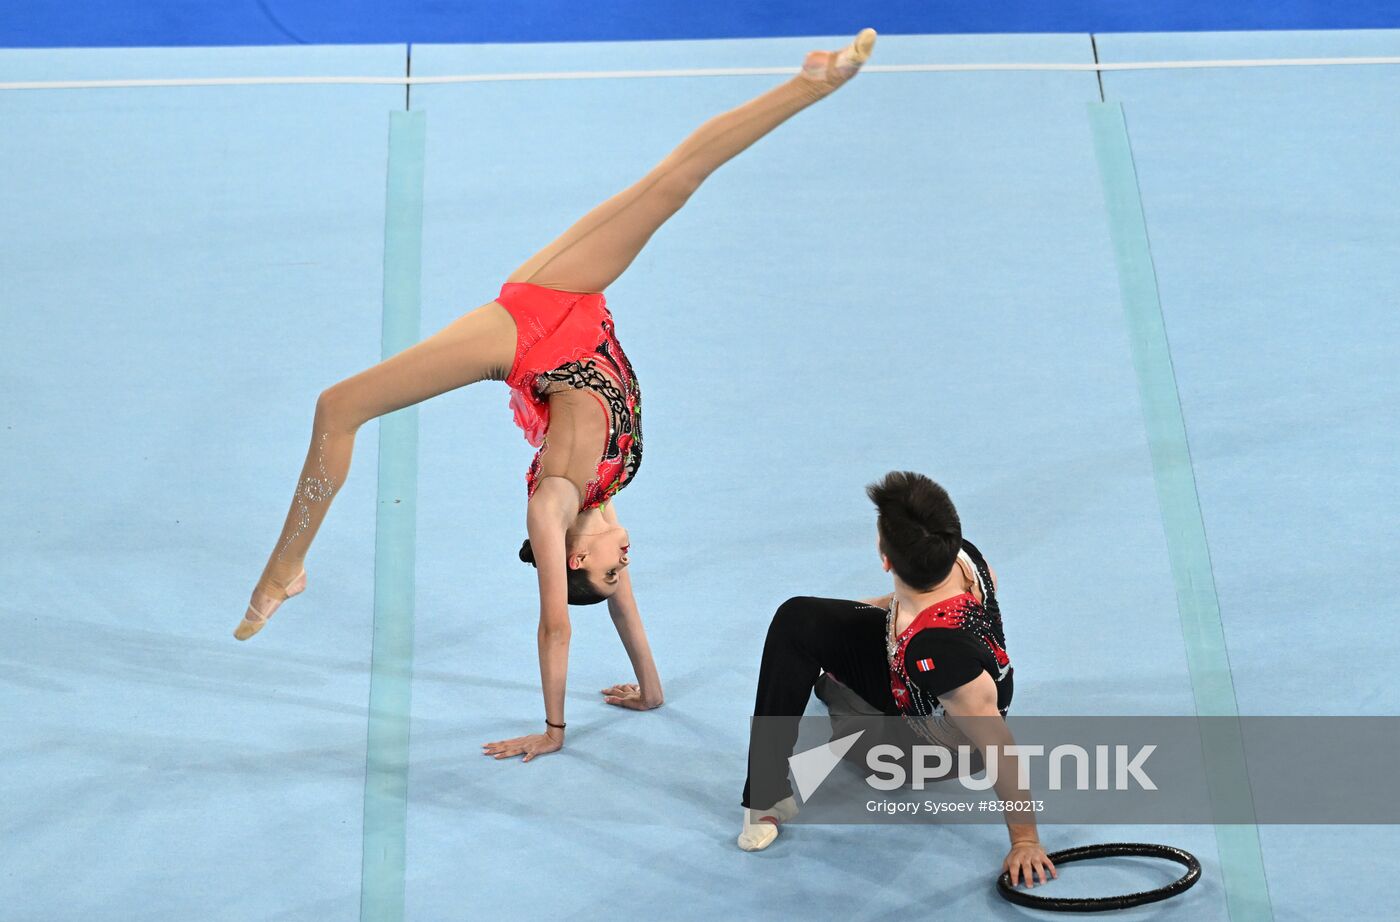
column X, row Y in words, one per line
column 919, row 529
column 581, row 588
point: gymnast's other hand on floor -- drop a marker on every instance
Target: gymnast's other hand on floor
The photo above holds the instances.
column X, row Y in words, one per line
column 536, row 744
column 631, row 696
column 1028, row 858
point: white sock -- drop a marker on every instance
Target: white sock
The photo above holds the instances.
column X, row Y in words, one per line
column 761, row 826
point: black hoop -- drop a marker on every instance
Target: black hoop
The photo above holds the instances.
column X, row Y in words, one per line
column 1103, row 903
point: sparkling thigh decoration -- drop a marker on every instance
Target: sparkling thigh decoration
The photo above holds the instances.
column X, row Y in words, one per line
column 319, row 490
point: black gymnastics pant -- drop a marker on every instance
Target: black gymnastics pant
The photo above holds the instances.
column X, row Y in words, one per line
column 808, row 635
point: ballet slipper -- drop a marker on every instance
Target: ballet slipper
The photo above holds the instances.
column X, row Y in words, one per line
column 761, row 826
column 833, row 68
column 255, row 618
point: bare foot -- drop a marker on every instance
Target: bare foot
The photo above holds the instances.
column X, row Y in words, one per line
column 833, row 68
column 264, row 604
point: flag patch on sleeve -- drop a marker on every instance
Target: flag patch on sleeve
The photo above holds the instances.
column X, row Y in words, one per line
column 924, row 665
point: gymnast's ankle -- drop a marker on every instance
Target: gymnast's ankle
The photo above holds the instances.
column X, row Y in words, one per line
column 761, row 826
column 279, row 580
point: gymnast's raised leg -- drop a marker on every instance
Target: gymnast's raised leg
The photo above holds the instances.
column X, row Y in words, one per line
column 591, row 254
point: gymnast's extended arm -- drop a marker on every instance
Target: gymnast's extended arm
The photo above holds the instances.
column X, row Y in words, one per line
column 973, row 708
column 646, row 694
column 547, row 518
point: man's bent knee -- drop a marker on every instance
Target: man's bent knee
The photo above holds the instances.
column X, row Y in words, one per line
column 790, row 616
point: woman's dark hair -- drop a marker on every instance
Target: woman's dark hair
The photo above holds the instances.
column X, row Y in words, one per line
column 919, row 529
column 581, row 591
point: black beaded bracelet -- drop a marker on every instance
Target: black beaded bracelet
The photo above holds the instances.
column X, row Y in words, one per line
column 555, row 726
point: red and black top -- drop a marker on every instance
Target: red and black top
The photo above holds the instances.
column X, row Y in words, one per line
column 948, row 645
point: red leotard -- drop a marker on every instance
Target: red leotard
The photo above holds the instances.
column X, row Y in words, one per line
column 566, row 345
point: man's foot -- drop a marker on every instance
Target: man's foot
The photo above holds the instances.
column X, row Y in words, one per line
column 264, row 604
column 761, row 826
column 833, row 68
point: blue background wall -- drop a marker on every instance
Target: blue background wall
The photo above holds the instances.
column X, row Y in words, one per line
column 46, row 23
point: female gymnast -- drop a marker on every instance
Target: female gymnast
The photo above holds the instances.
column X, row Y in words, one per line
column 550, row 337
column 932, row 650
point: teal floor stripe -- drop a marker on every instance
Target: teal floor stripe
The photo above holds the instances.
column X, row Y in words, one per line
column 391, row 671
column 1241, row 860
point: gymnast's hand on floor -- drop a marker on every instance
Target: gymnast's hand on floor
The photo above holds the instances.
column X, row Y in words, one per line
column 630, row 696
column 536, row 744
column 1027, row 859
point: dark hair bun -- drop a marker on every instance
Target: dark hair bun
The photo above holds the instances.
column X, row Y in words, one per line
column 527, row 553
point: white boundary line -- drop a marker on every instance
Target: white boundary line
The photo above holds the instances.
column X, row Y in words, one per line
column 693, row 72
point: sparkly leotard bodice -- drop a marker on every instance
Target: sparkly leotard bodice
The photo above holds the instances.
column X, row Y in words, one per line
column 574, row 392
